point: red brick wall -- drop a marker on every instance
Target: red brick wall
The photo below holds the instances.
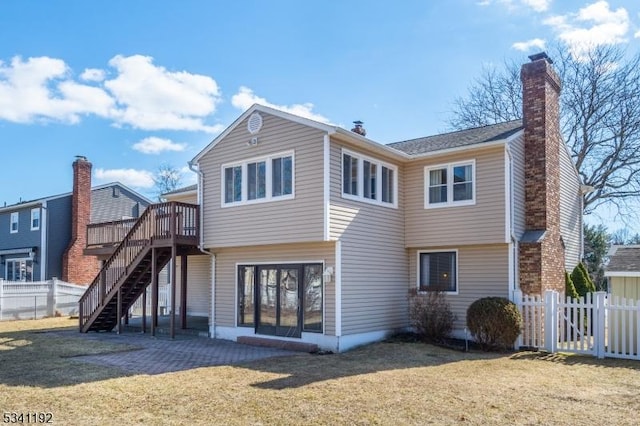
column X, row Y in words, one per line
column 542, row 263
column 76, row 267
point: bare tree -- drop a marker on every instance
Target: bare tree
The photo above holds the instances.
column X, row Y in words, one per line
column 166, row 179
column 600, row 118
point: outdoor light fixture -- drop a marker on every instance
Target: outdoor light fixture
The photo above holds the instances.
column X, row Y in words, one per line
column 327, row 274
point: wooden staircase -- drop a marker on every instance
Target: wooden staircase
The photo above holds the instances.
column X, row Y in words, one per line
column 162, row 232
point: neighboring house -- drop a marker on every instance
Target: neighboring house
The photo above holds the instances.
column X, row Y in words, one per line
column 45, row 238
column 316, row 234
column 623, row 272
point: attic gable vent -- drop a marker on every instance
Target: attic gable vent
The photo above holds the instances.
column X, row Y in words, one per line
column 255, row 123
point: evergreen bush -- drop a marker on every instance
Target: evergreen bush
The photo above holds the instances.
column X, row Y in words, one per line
column 494, row 322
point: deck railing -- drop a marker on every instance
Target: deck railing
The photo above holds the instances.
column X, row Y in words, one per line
column 158, row 224
column 108, row 233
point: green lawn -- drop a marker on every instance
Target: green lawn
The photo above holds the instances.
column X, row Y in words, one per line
column 386, row 383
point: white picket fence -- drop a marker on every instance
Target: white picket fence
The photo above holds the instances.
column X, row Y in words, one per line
column 38, row 299
column 598, row 324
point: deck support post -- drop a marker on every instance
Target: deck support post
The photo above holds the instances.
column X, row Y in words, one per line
column 144, row 311
column 154, row 291
column 172, row 319
column 183, row 292
column 119, row 310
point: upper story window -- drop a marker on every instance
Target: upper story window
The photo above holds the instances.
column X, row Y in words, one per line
column 13, row 224
column 263, row 179
column 450, row 184
column 35, row 219
column 368, row 179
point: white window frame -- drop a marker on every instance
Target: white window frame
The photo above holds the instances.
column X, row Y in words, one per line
column 15, row 219
column 18, row 260
column 419, row 265
column 449, row 167
column 35, row 212
column 268, row 159
column 361, row 158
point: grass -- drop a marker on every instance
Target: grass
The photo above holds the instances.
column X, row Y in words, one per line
column 386, row 383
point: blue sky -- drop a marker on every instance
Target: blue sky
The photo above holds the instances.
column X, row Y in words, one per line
column 136, row 84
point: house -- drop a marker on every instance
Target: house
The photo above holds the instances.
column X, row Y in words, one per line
column 310, row 233
column 623, row 271
column 46, row 237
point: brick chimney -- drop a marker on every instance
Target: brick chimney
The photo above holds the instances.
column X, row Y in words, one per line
column 541, row 250
column 76, row 267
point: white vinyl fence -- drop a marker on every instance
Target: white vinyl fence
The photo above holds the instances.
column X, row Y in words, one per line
column 164, row 302
column 38, row 299
column 597, row 324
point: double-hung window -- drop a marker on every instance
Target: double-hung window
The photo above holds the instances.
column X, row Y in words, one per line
column 450, row 185
column 367, row 179
column 13, row 224
column 438, row 271
column 35, row 219
column 268, row 178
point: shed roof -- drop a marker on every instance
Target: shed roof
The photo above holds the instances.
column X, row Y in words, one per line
column 623, row 259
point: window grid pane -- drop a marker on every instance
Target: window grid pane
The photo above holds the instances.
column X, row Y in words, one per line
column 438, row 186
column 370, row 171
column 462, row 183
column 387, row 185
column 256, row 180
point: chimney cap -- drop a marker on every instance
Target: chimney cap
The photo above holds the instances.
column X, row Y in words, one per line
column 539, row 56
column 81, row 158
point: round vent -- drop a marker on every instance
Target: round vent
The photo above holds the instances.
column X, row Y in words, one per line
column 255, row 123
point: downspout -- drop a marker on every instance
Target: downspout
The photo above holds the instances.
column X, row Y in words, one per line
column 43, row 241
column 212, row 324
column 513, row 242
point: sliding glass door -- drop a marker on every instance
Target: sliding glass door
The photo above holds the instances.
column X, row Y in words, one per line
column 280, row 300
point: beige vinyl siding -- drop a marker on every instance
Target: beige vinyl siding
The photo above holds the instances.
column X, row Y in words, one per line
column 517, row 169
column 482, row 223
column 198, row 285
column 625, row 287
column 570, row 210
column 226, row 282
column 296, row 220
column 483, row 271
column 374, row 259
column 184, row 198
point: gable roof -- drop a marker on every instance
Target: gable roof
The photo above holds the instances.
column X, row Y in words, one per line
column 460, row 138
column 328, row 128
column 404, row 150
column 39, row 201
column 623, row 261
column 185, row 189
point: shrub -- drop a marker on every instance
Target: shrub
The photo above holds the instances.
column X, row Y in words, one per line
column 581, row 280
column 494, row 322
column 431, row 316
column 569, row 288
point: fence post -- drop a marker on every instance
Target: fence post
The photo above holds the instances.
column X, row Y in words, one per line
column 550, row 321
column 517, row 299
column 51, row 298
column 1, row 296
column 599, row 329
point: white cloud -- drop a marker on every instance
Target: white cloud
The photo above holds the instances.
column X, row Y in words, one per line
column 245, row 98
column 155, row 145
column 40, row 88
column 154, row 98
column 524, row 46
column 593, row 25
column 637, row 34
column 129, row 177
column 538, row 5
column 141, row 95
column 93, row 74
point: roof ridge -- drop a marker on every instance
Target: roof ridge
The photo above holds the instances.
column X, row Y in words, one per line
column 457, row 131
